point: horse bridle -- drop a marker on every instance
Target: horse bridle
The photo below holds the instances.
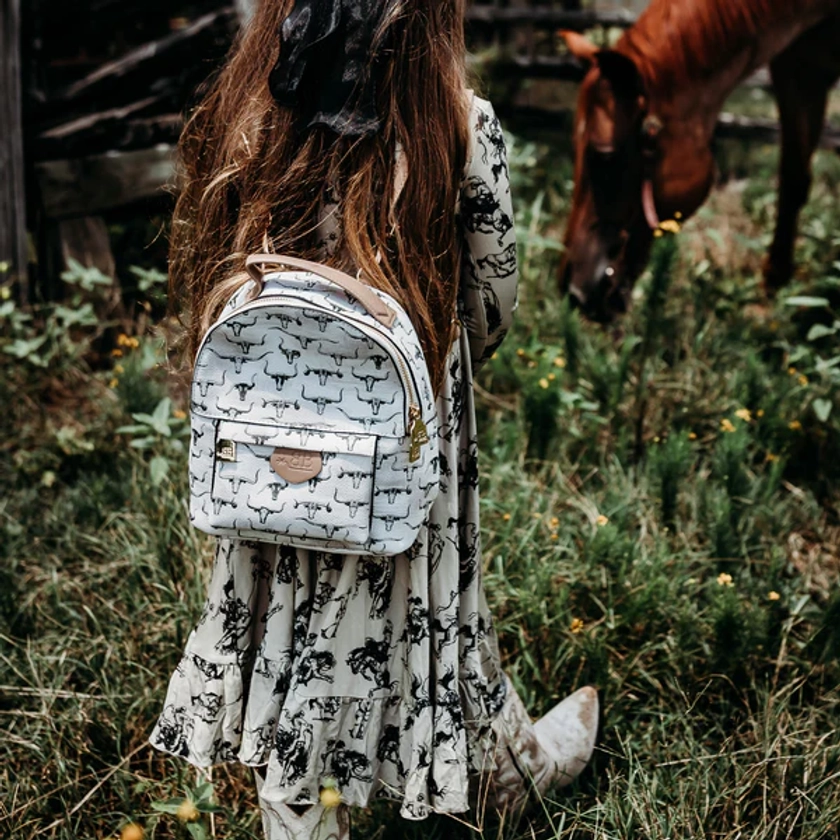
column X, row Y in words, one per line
column 651, row 129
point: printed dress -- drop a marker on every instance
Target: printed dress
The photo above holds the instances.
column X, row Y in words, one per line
column 381, row 674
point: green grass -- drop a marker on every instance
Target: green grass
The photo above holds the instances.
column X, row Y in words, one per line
column 660, row 519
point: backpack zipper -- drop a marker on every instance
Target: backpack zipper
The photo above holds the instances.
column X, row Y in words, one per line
column 415, row 426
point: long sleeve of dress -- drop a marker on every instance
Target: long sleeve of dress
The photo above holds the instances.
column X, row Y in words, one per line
column 490, row 274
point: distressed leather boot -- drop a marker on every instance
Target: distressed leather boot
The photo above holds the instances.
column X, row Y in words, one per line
column 280, row 822
column 533, row 757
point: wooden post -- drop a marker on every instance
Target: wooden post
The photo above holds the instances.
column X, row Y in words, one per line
column 13, row 242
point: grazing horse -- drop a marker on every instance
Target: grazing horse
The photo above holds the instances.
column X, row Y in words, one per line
column 646, row 114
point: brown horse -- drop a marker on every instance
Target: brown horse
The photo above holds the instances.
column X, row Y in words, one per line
column 646, row 115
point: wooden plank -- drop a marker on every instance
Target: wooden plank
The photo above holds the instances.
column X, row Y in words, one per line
column 13, row 241
column 91, row 185
column 729, row 126
column 560, row 18
column 565, row 68
column 557, row 68
column 110, row 135
column 83, row 124
column 140, row 56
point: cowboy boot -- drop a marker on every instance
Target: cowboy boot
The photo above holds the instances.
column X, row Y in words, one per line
column 280, row 822
column 537, row 756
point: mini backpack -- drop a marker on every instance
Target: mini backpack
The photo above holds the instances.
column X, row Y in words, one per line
column 313, row 419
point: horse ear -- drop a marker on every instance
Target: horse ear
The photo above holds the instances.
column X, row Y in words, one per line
column 622, row 74
column 579, row 46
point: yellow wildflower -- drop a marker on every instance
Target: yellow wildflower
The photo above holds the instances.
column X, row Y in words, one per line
column 601, row 520
column 726, row 425
column 792, row 371
column 117, row 353
column 506, row 517
column 671, row 225
column 179, row 414
column 678, row 215
column 724, row 579
column 692, row 435
column 560, row 362
column 132, row 831
column 187, row 812
column 330, row 795
column 744, row 414
column 124, row 340
column 113, row 383
column 773, row 596
column 554, row 536
column 494, row 356
column 803, row 380
column 119, row 369
column 795, row 426
column 657, row 233
column 543, row 383
column 552, row 377
column 554, row 522
column 770, row 457
column 520, row 352
column 532, row 364
column 576, row 626
column 760, row 412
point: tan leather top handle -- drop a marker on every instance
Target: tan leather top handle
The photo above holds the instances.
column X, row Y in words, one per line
column 364, row 294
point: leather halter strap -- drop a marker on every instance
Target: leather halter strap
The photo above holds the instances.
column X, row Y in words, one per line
column 649, row 205
column 651, row 129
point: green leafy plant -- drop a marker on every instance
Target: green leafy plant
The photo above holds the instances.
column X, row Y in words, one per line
column 160, row 433
column 59, row 334
column 192, row 809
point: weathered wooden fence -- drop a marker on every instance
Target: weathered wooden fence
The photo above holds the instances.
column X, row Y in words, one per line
column 105, row 84
column 93, row 124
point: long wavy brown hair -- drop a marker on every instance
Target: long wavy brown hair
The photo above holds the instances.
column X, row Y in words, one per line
column 250, row 182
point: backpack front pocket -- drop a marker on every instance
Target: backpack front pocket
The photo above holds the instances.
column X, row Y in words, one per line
column 307, row 485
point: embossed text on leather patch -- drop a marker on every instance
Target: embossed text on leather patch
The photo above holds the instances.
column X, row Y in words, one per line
column 296, row 465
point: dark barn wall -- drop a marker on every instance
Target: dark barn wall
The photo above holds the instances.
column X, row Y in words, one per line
column 13, row 238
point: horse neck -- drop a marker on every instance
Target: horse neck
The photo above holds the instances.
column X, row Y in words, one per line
column 693, row 53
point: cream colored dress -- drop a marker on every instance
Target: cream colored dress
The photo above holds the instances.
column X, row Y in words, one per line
column 381, row 675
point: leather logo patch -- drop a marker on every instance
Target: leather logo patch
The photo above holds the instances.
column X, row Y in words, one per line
column 295, row 465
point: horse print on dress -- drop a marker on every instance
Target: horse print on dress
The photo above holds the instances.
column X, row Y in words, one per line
column 371, row 660
column 388, row 747
column 344, row 764
column 327, row 379
column 293, row 743
column 378, row 577
column 174, row 730
column 236, row 621
column 314, row 665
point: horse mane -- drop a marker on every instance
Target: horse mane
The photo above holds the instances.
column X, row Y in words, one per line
column 678, row 41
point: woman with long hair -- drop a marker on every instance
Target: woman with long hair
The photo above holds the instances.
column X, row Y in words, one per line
column 342, row 131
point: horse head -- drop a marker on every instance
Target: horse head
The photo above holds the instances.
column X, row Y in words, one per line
column 634, row 165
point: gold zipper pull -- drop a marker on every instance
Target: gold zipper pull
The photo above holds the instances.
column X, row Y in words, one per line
column 418, row 431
